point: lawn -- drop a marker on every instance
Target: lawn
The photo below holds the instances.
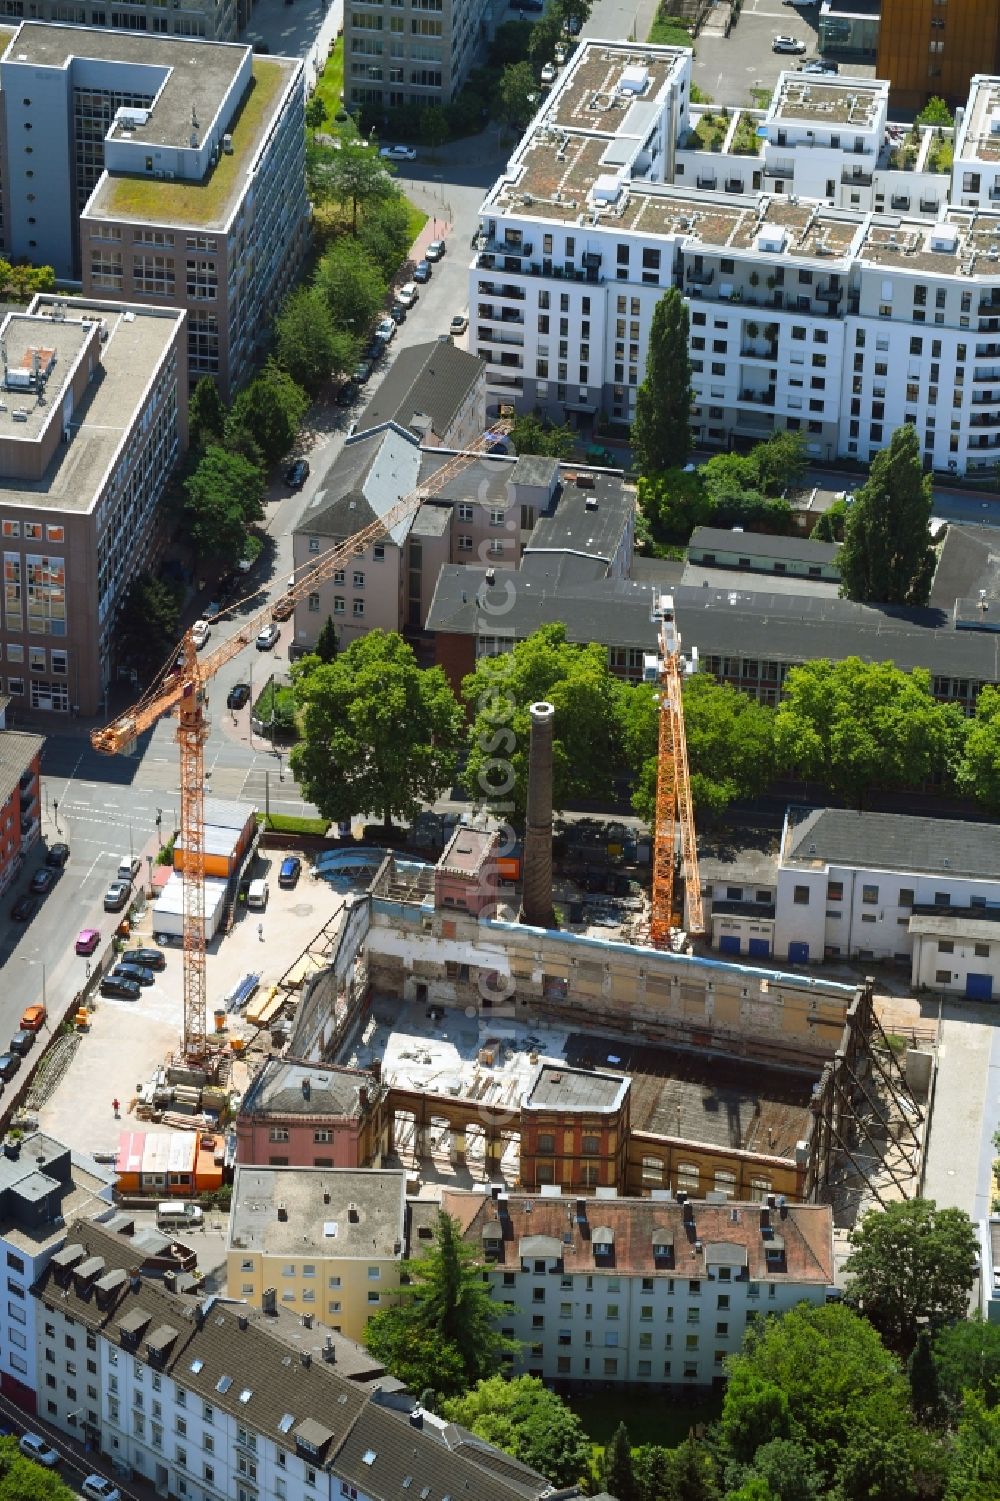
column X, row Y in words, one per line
column 667, row 31
column 417, row 220
column 330, row 87
column 203, row 202
column 652, row 1419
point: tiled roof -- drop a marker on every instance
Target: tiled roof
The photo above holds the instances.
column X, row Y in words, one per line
column 893, row 841
column 363, row 483
column 289, row 1086
column 715, row 1233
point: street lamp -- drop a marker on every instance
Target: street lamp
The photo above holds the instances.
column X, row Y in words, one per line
column 159, row 827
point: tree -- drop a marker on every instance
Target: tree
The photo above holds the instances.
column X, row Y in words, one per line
column 544, row 34
column 517, row 94
column 652, row 1466
column 354, row 175
column 271, row 409
column 887, row 557
column 379, row 733
column 385, row 233
column 532, row 433
column 434, row 128
column 206, row 414
column 315, row 113
column 224, row 495
column 781, row 462
column 788, row 1471
column 856, row 725
column 830, row 524
column 661, row 432
column 522, row 1417
column 352, row 284
column 587, row 743
column 674, row 503
column 816, row 1375
column 574, row 11
column 978, row 771
column 148, row 626
column 694, row 1473
column 328, row 642
column 967, row 1358
column 440, row 1334
column 22, row 1479
column 974, row 1472
column 935, row 112
column 913, row 1264
column 616, row 1467
column 308, row 344
column 925, row 1394
column 875, row 1467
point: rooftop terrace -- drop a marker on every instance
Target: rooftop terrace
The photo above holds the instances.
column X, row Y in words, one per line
column 815, row 100
column 606, row 81
column 979, row 137
column 964, row 243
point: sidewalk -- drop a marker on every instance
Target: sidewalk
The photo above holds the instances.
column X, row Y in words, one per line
column 966, row 1108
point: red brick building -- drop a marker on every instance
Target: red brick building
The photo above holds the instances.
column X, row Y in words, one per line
column 20, row 799
column 574, row 1128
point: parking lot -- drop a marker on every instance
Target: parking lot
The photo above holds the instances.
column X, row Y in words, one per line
column 730, row 68
column 127, row 1040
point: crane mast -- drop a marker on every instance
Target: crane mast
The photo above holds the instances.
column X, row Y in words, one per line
column 673, row 789
column 182, row 685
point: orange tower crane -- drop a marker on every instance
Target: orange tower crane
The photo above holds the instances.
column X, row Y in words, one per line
column 673, row 790
column 184, row 687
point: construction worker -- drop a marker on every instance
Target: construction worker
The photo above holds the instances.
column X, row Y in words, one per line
column 116, row 1107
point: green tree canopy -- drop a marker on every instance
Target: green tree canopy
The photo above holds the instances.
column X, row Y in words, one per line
column 149, row 624
column 308, row 343
column 913, row 1264
column 674, row 503
column 978, row 771
column 379, row 733
column 616, row 1467
column 787, row 1470
column 579, row 684
column 816, row 1375
column 935, row 112
column 440, row 1334
column 532, row 433
column 328, row 641
column 522, row 1417
column 856, row 725
column 352, row 285
column 271, row 409
column 224, row 496
column 384, row 232
column 661, row 432
column 206, row 414
column 517, row 94
column 543, row 36
column 315, row 113
column 22, row 1479
column 887, row 557
column 974, row 1471
column 967, row 1358
column 355, row 175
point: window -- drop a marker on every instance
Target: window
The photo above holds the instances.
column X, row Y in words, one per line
column 801, row 896
column 591, row 1146
column 945, row 946
column 357, row 607
column 869, row 895
column 906, row 896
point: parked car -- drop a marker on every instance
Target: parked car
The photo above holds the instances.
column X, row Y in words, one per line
column 398, row 154
column 296, row 474
column 38, row 1449
column 22, row 1042
column 422, row 272
column 531, row 7
column 95, row 1487
column 43, row 881
column 787, row 44
column 267, row 637
column 86, row 942
column 375, row 350
column 820, row 66
column 238, row 695
column 200, row 632
column 361, row 373
column 33, row 1017
column 291, row 869
column 24, row 908
column 9, row 1065
column 120, row 988
column 283, row 608
column 347, row 394
column 57, row 855
column 458, row 324
column 136, row 972
column 408, row 294
column 147, row 958
column 559, row 53
column 385, row 329
column 117, row 895
column 435, row 250
column 550, row 73
column 397, row 313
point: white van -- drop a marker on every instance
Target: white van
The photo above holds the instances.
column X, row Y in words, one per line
column 176, row 1216
column 128, row 868
column 257, row 895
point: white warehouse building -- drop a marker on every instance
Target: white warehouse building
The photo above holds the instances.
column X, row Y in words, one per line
column 837, row 285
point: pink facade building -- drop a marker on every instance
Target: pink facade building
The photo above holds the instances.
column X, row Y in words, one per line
column 298, row 1114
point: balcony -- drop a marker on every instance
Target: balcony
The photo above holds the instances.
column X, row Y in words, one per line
column 988, row 351
column 779, row 169
column 501, row 289
column 758, row 398
column 506, row 247
column 491, row 336
column 995, row 193
column 855, row 179
column 929, row 205
column 700, row 278
column 988, row 419
column 987, row 399
column 988, row 373
column 751, row 350
column 831, row 294
column 489, row 314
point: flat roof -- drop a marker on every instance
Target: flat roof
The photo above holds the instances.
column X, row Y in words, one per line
column 211, row 202
column 964, row 242
column 17, row 751
column 813, row 99
column 575, row 1089
column 137, row 342
column 604, row 83
column 979, row 137
column 762, row 545
column 317, row 1211
column 467, row 850
column 39, row 358
column 589, row 520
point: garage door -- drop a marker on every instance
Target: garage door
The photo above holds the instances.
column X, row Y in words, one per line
column 798, row 953
column 979, row 987
column 760, row 947
column 729, row 943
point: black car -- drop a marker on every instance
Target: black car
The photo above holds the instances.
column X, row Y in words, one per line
column 134, row 972
column 296, row 474
column 23, row 1042
column 117, row 895
column 362, row 371
column 145, row 958
column 24, row 908
column 347, row 394
column 120, row 988
column 238, row 695
column 375, row 350
column 397, row 313
column 9, row 1064
column 57, row 855
column 422, row 271
column 43, row 881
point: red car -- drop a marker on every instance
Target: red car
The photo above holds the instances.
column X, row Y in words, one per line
column 87, row 940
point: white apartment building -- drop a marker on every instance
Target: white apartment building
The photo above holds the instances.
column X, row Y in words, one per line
column 651, row 1292
column 841, row 321
column 975, row 177
column 210, row 1400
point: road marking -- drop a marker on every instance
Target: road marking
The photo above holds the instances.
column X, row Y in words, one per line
column 101, row 855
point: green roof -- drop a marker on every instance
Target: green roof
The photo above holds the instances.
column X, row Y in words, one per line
column 162, row 202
